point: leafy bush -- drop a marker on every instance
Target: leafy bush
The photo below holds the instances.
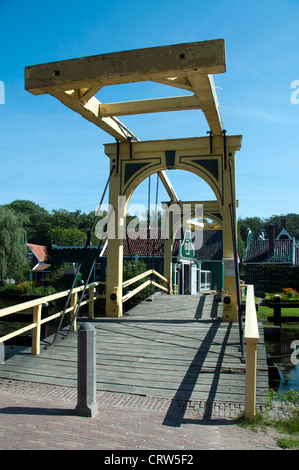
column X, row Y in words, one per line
column 25, row 288
column 287, row 294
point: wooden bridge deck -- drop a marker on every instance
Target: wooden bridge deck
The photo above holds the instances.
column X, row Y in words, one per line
column 173, row 347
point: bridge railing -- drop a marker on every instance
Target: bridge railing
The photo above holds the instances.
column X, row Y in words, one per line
column 38, row 321
column 145, row 284
column 251, row 339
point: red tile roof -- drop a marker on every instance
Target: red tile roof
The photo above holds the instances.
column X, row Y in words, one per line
column 39, row 251
column 143, row 246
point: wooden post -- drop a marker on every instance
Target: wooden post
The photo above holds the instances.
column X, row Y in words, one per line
column 114, row 303
column 73, row 311
column 37, row 313
column 277, row 310
column 251, row 338
column 250, row 391
column 168, row 245
column 2, row 353
column 230, row 304
column 91, row 302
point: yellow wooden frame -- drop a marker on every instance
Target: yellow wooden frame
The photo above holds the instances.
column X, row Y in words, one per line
column 186, row 66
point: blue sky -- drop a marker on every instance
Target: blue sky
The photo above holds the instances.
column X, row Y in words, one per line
column 55, row 158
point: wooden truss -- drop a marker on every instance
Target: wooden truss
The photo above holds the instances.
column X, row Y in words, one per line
column 188, row 66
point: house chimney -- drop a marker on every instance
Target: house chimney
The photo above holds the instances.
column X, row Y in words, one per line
column 271, row 237
column 283, row 221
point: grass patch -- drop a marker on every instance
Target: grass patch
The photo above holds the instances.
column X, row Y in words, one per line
column 288, row 443
column 288, row 426
column 265, row 312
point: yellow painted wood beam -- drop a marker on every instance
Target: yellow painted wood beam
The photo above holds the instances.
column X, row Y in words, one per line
column 157, row 105
column 168, row 186
column 91, row 112
column 204, row 88
column 187, row 66
column 206, row 57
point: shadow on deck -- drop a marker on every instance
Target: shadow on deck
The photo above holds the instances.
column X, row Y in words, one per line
column 175, row 348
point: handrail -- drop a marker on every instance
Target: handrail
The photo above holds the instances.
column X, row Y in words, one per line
column 145, row 284
column 142, row 275
column 37, row 321
column 137, row 278
column 251, row 338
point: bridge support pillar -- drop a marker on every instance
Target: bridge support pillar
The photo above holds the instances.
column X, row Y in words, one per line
column 168, row 245
column 230, row 300
column 115, row 250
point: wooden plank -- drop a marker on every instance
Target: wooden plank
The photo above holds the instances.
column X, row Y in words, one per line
column 164, row 355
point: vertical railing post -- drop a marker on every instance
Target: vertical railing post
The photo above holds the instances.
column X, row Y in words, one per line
column 251, row 339
column 250, row 390
column 73, row 303
column 91, row 302
column 2, row 353
column 37, row 313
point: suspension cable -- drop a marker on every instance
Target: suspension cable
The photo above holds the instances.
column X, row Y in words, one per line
column 82, row 258
column 148, row 216
column 88, row 277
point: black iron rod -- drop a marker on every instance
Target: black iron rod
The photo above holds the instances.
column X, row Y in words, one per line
column 237, row 273
column 82, row 259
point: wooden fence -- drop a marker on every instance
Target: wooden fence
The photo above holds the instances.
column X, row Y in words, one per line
column 271, row 277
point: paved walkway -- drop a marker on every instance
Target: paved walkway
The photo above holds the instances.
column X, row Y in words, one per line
column 40, row 417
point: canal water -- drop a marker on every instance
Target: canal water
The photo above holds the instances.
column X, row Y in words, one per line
column 284, row 357
column 23, row 341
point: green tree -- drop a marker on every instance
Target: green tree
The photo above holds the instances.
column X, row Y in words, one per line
column 255, row 224
column 38, row 220
column 13, row 260
column 66, row 237
column 292, row 224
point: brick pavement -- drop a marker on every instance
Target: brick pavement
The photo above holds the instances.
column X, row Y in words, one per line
column 41, row 417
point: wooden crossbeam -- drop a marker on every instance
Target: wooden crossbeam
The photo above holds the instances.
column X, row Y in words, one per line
column 168, row 186
column 157, row 105
column 187, row 66
column 127, row 66
column 91, row 112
